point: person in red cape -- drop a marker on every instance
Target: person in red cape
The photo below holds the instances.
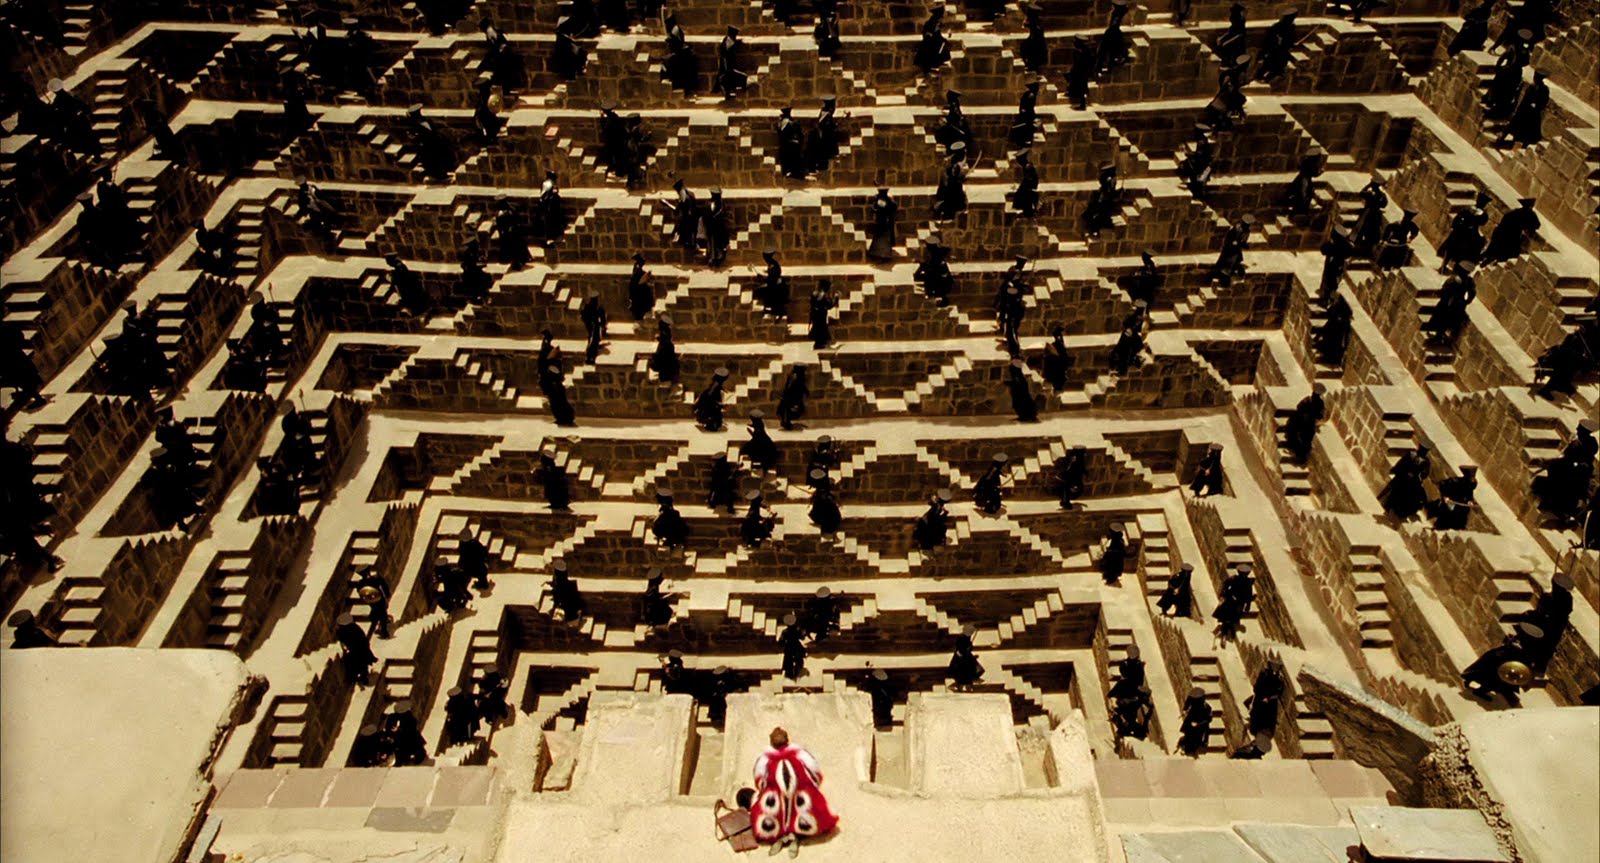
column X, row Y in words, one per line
column 789, row 804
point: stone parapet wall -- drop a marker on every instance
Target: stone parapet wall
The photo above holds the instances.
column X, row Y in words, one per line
column 1370, row 731
column 1462, row 569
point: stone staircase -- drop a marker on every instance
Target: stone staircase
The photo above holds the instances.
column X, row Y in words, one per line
column 1372, row 604
column 1316, row 732
column 106, row 106
column 1296, row 476
column 227, row 589
column 1205, row 672
column 1399, row 435
column 1155, row 549
column 79, row 606
column 1318, row 316
column 285, row 727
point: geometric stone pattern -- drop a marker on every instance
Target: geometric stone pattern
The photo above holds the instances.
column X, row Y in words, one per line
column 431, row 424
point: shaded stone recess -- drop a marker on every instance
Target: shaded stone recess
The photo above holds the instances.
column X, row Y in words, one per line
column 425, row 423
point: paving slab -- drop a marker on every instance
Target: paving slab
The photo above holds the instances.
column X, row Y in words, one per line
column 633, row 748
column 1278, row 843
column 1195, row 846
column 963, row 745
column 125, row 778
column 1457, row 835
column 1543, row 767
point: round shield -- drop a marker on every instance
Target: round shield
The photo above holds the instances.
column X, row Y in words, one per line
column 1515, row 673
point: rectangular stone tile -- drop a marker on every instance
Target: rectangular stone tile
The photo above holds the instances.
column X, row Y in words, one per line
column 1265, row 809
column 1299, row 844
column 1127, row 810
column 1231, row 779
column 1189, row 811
column 407, row 787
column 1287, row 778
column 1340, row 778
column 356, row 786
column 1190, row 846
column 247, row 789
column 1122, row 778
column 304, row 789
column 1175, row 777
column 464, row 786
column 1393, row 833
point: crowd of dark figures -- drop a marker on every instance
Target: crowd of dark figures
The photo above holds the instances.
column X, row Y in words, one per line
column 111, row 231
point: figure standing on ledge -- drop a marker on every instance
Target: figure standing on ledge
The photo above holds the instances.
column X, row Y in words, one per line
column 1026, row 198
column 757, row 525
column 1394, row 246
column 708, row 405
column 789, row 805
column 1178, row 598
column 554, row 481
column 729, row 79
column 934, row 49
column 1449, row 316
column 1368, row 228
column 357, row 652
column 564, row 593
column 929, row 531
column 1194, row 734
column 822, row 305
column 1022, row 403
column 1070, row 472
column 1230, row 260
column 682, row 67
column 1301, row 429
column 964, row 668
column 1526, row 125
column 1057, row 360
column 1273, row 56
column 933, row 274
column 792, row 402
column 1454, row 504
column 987, row 493
column 1332, row 339
column 824, row 506
column 1034, row 49
column 1464, row 243
column 884, row 211
column 1336, row 253
column 1113, row 555
column 1208, row 477
column 669, row 527
column 793, row 641
column 1474, row 29
column 760, row 449
column 721, row 484
column 1405, row 495
column 1511, row 235
column 1082, row 72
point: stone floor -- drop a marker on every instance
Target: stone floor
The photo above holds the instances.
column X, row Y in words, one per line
column 428, row 425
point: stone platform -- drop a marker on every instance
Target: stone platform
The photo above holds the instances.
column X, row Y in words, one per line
column 430, row 423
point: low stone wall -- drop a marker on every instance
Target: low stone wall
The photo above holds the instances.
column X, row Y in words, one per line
column 1416, row 644
column 1371, row 732
column 1462, row 572
column 1523, row 296
column 1355, row 414
column 101, row 438
column 136, row 583
column 1326, row 549
column 393, row 546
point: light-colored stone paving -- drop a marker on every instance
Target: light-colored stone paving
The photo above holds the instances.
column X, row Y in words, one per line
column 431, row 424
